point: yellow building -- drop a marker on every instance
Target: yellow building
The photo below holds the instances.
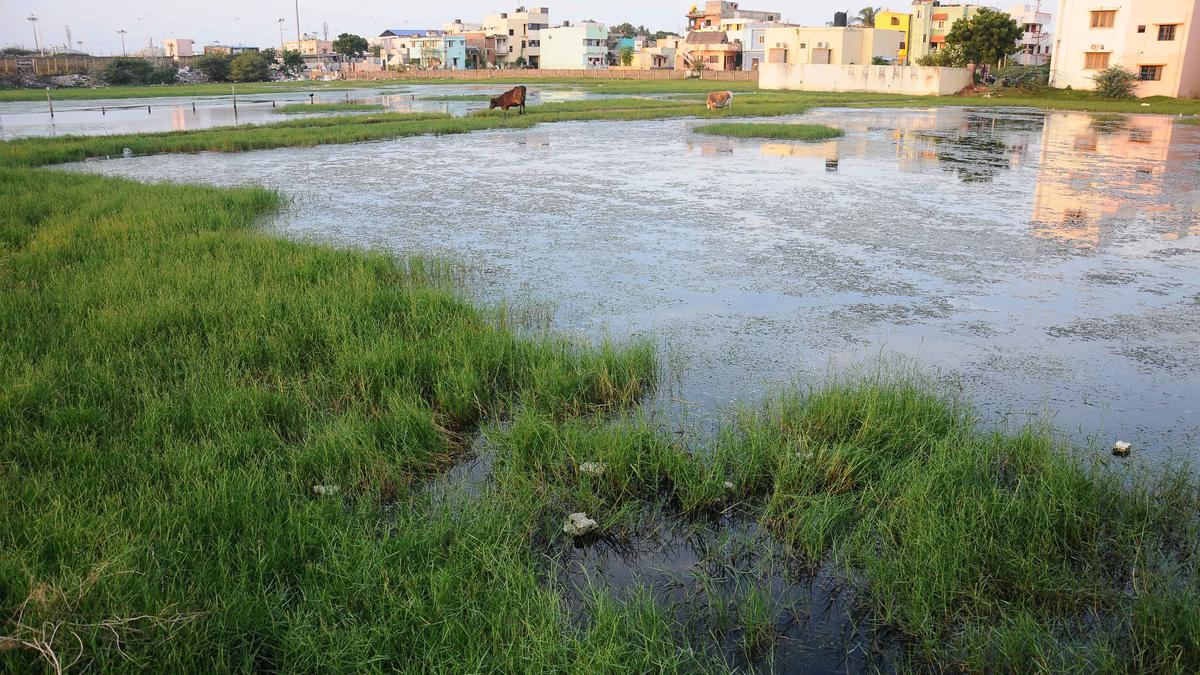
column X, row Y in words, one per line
column 799, row 45
column 931, row 22
column 901, row 21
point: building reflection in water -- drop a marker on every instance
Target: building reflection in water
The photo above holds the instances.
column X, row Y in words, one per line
column 1099, row 173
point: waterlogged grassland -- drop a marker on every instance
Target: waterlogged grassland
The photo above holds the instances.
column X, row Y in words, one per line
column 175, row 391
column 216, row 447
column 309, row 108
column 795, row 132
column 172, row 90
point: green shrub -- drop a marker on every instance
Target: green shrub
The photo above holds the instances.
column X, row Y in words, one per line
column 249, row 67
column 1027, row 78
column 214, row 66
column 125, row 71
column 1115, row 82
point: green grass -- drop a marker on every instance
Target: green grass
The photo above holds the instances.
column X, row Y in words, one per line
column 462, row 97
column 311, row 108
column 169, row 90
column 173, row 385
column 796, row 132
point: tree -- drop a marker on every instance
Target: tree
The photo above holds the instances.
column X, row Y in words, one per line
column 987, row 37
column 214, row 66
column 878, row 61
column 269, row 54
column 946, row 57
column 293, row 61
column 623, row 29
column 1115, row 82
column 376, row 50
column 627, row 56
column 128, row 70
column 350, row 45
column 249, row 67
column 866, row 16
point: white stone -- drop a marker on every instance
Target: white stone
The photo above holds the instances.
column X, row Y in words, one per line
column 578, row 525
column 326, row 490
column 728, row 485
column 592, row 468
column 1122, row 448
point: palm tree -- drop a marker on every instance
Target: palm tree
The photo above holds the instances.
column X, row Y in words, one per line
column 866, row 17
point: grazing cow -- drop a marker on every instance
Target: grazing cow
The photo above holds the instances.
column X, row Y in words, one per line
column 513, row 98
column 720, row 99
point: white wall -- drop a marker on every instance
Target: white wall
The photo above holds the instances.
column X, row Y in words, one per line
column 907, row 80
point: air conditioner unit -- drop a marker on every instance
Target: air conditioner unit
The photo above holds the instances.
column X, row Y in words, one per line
column 1097, row 48
column 822, row 45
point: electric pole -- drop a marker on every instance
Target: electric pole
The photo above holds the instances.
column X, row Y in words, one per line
column 281, row 48
column 298, row 40
column 37, row 44
column 122, row 33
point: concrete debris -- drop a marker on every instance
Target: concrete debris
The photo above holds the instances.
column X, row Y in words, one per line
column 1122, row 448
column 579, row 525
column 326, row 490
column 592, row 468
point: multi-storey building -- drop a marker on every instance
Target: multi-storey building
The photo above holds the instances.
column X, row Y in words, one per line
column 1036, row 40
column 1156, row 39
column 518, row 35
column 901, row 21
column 931, row 23
column 574, row 46
column 716, row 11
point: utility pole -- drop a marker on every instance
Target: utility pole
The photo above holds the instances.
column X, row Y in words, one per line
column 37, row 43
column 122, row 33
column 299, row 46
column 281, row 48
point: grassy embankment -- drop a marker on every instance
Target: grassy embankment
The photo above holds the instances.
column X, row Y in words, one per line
column 313, row 108
column 171, row 90
column 794, row 132
column 173, row 386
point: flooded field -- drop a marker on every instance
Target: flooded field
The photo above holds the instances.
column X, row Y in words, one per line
column 133, row 115
column 1047, row 263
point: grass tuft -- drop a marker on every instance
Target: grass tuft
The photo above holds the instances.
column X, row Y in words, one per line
column 795, row 132
column 309, row 108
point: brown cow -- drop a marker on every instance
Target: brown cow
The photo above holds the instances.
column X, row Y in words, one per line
column 720, row 99
column 513, row 98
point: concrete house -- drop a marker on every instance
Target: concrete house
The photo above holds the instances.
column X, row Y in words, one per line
column 1156, row 39
column 901, row 21
column 831, row 45
column 712, row 48
column 716, row 11
column 574, row 47
column 1037, row 39
column 931, row 23
column 518, row 35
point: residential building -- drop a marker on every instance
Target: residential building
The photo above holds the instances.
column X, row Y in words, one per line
column 931, row 23
column 429, row 49
column 833, row 45
column 712, row 48
column 175, row 48
column 457, row 27
column 752, row 36
column 1156, row 39
column 1036, row 40
column 310, row 45
column 574, row 47
column 518, row 35
column 228, row 50
column 715, row 11
column 901, row 21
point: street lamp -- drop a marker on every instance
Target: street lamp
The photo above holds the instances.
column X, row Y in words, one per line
column 37, row 44
column 122, row 33
column 281, row 22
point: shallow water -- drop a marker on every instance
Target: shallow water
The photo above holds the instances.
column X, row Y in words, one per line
column 141, row 115
column 1048, row 263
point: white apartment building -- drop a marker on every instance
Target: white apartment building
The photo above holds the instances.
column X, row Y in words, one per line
column 1037, row 40
column 579, row 46
column 1156, row 39
column 518, row 34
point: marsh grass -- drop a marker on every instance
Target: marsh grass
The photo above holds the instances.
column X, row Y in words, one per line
column 171, row 90
column 307, row 108
column 174, row 385
column 795, row 132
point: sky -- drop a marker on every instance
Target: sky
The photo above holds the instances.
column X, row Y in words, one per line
column 95, row 22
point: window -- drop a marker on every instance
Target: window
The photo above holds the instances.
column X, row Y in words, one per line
column 803, row 45
column 895, row 21
column 1141, row 29
column 903, row 46
column 510, row 32
column 1166, row 33
column 1104, row 19
column 713, row 59
column 762, row 39
column 1150, row 73
column 1095, row 60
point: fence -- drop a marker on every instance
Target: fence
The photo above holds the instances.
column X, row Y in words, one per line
column 544, row 73
column 71, row 65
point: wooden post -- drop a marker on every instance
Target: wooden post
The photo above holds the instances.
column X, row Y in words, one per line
column 50, row 102
column 234, row 88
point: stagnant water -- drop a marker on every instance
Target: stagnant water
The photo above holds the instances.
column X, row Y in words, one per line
column 182, row 113
column 1047, row 263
